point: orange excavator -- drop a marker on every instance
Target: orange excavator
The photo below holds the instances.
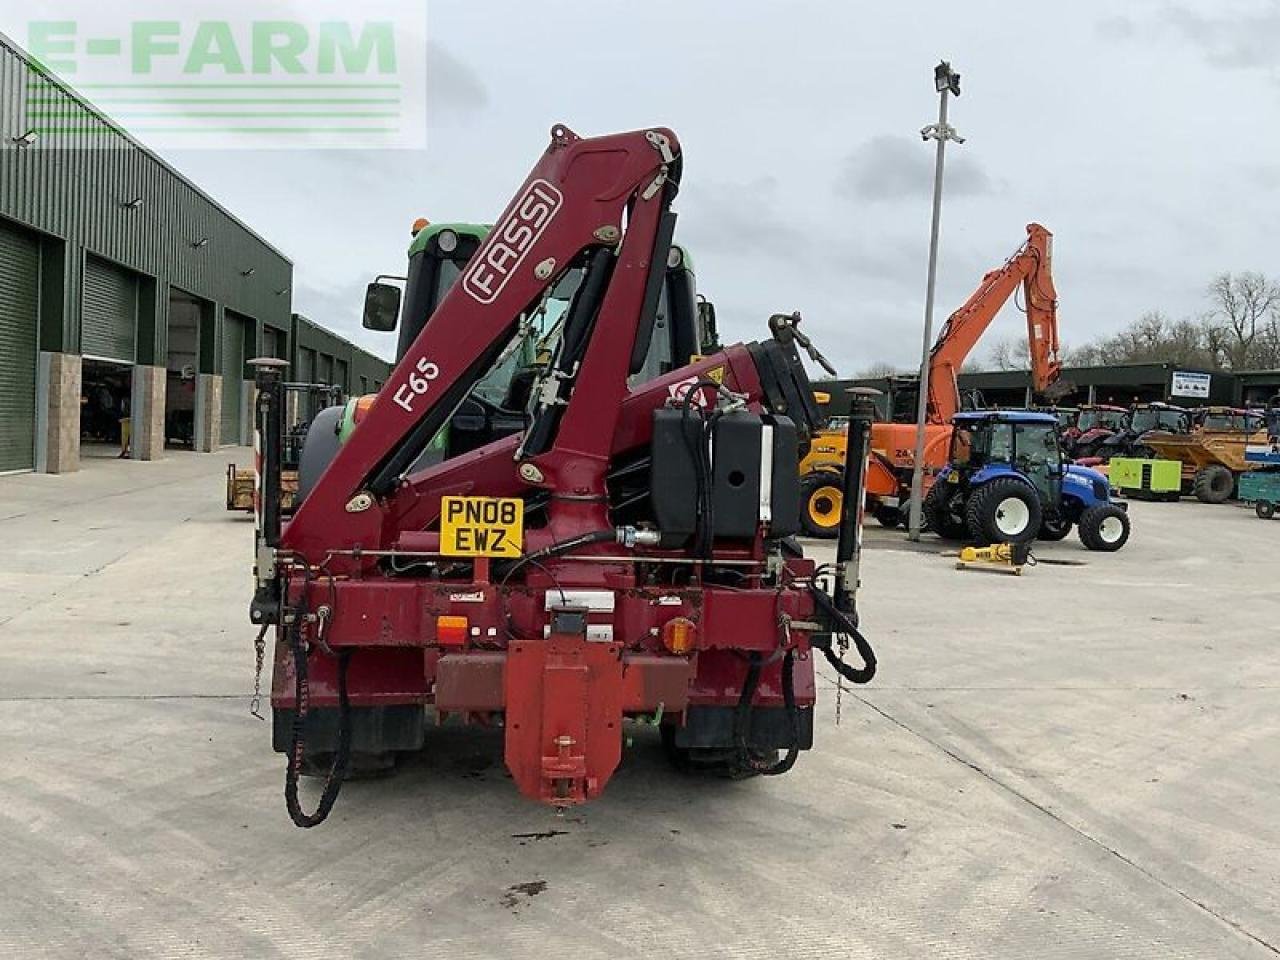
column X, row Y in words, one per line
column 893, row 443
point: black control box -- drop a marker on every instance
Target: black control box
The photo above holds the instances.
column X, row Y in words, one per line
column 753, row 463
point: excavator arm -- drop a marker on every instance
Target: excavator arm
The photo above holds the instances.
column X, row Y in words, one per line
column 1031, row 267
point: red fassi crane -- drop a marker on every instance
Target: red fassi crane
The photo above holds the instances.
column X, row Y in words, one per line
column 649, row 570
column 1031, row 267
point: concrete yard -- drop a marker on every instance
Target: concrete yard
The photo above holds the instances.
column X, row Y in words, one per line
column 1079, row 763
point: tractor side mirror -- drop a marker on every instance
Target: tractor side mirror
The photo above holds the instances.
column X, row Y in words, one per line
column 709, row 334
column 381, row 307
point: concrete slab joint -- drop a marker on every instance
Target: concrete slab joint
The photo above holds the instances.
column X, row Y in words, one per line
column 58, row 413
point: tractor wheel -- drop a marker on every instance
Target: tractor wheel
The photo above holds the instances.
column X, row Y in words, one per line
column 821, row 502
column 1085, row 451
column 1104, row 527
column 1005, row 510
column 938, row 515
column 1053, row 529
column 1214, row 484
column 1265, row 509
column 721, row 763
column 889, row 517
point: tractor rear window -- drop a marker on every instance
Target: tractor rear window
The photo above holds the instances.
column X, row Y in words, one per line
column 974, row 446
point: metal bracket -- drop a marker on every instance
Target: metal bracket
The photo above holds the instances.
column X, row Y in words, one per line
column 941, row 131
column 662, row 144
column 652, row 189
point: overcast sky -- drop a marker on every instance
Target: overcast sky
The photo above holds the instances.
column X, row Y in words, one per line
column 1145, row 140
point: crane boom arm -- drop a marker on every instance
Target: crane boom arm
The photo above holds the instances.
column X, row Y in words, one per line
column 1031, row 267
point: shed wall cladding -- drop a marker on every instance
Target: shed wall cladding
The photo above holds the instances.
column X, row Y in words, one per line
column 306, row 365
column 274, row 343
column 19, row 303
column 234, row 341
column 81, row 194
column 109, row 312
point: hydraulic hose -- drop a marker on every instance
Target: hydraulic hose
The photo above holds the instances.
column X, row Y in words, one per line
column 297, row 740
column 562, row 546
column 847, row 627
column 742, row 717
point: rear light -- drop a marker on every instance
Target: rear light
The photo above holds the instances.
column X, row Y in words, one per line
column 680, row 635
column 451, row 631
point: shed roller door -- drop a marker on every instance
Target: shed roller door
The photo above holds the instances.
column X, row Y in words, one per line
column 19, row 285
column 109, row 312
column 233, row 361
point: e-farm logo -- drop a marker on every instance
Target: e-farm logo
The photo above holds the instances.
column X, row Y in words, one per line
column 231, row 73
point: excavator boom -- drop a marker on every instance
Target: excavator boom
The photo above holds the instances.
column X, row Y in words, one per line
column 1031, row 267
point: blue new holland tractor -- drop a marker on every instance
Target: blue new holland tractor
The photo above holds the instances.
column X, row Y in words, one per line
column 1006, row 482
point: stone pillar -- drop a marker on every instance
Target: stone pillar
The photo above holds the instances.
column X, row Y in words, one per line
column 208, row 412
column 248, row 394
column 146, row 411
column 58, row 414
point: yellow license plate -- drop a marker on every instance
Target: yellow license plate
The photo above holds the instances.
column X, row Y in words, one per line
column 481, row 526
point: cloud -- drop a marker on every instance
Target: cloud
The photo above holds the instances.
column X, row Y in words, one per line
column 1237, row 40
column 452, row 84
column 738, row 218
column 890, row 168
column 1118, row 27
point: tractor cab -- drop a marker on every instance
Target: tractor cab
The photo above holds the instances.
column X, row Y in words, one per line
column 1228, row 420
column 1010, row 440
column 1100, row 417
column 684, row 327
column 1007, row 482
column 1145, row 417
column 1095, row 424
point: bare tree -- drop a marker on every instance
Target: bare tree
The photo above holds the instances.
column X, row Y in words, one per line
column 878, row 370
column 1153, row 338
column 1245, row 304
column 1011, row 353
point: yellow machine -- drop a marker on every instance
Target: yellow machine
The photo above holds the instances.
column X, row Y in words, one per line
column 820, row 473
column 1006, row 557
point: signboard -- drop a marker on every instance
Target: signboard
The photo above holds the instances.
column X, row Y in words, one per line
column 1194, row 385
column 481, row 526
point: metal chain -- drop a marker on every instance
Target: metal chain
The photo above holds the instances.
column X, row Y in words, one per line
column 839, row 689
column 260, row 649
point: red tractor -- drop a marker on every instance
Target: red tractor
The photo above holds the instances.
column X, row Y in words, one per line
column 1095, row 423
column 628, row 553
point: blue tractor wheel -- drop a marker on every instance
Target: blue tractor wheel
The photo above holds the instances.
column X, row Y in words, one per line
column 1104, row 527
column 1004, row 510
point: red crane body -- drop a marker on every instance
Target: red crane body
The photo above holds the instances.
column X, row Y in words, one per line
column 593, row 621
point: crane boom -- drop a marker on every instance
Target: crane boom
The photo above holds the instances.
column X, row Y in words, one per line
column 1031, row 267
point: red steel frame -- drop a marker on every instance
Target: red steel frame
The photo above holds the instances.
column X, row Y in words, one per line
column 564, row 696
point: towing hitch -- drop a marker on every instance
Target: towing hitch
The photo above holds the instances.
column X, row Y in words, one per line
column 564, row 711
